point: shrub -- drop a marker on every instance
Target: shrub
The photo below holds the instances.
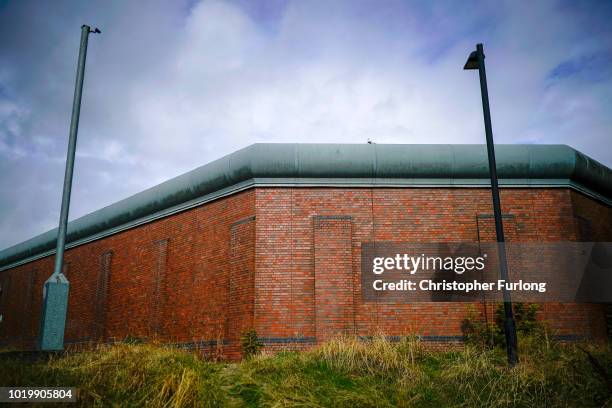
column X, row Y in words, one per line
column 491, row 334
column 250, row 344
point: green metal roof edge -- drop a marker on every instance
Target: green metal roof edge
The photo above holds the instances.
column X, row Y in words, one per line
column 332, row 165
column 389, row 183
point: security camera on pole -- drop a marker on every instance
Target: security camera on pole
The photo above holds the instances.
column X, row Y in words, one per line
column 55, row 290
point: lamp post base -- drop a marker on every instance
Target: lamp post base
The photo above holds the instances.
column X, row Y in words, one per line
column 55, row 305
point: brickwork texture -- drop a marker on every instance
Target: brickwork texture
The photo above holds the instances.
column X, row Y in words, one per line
column 286, row 262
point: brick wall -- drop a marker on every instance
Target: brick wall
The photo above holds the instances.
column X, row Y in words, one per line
column 166, row 280
column 286, row 261
column 293, row 268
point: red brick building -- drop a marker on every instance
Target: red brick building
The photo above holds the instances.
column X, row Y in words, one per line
column 269, row 238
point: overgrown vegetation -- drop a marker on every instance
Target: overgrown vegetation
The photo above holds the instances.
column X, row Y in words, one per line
column 250, row 344
column 490, row 334
column 343, row 372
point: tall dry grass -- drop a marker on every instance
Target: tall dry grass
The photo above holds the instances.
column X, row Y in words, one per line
column 342, row 372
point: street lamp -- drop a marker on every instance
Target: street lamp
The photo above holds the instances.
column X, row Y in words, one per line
column 55, row 289
column 476, row 61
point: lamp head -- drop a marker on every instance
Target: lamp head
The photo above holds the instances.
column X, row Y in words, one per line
column 89, row 30
column 472, row 61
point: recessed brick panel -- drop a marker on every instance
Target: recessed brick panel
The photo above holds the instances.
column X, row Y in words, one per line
column 240, row 315
column 333, row 261
column 158, row 288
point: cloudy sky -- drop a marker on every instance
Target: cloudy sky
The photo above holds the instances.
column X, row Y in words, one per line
column 172, row 85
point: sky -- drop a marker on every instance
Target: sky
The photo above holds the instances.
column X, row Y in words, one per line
column 172, row 85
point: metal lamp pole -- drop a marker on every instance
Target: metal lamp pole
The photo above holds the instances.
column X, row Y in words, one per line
column 55, row 291
column 476, row 61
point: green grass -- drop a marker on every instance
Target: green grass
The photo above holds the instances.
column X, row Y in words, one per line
column 340, row 373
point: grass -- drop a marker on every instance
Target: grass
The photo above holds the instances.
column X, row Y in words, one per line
column 341, row 373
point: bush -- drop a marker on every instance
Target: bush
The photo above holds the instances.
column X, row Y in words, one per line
column 491, row 334
column 250, row 344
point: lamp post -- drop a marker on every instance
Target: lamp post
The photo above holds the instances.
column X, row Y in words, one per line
column 476, row 61
column 55, row 290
